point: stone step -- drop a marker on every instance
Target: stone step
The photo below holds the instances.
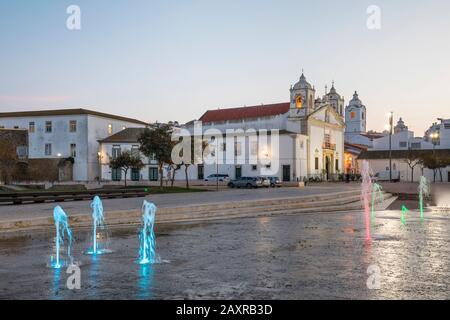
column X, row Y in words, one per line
column 339, row 202
column 263, row 202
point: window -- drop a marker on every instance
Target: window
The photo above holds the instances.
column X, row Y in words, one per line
column 22, row 152
column 115, row 151
column 135, row 151
column 254, row 167
column 316, row 163
column 73, row 126
column 337, row 165
column 31, row 127
column 152, row 157
column 16, row 127
column 135, row 174
column 237, row 149
column 153, row 174
column 48, row 126
column 116, row 174
column 415, row 145
column 254, row 148
column 110, row 129
column 73, row 150
column 403, row 144
column 362, row 115
column 48, row 149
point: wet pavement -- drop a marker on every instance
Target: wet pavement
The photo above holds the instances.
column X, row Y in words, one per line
column 308, row 256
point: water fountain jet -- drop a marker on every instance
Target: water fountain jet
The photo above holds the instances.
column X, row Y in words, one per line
column 147, row 250
column 98, row 223
column 62, row 228
column 366, row 190
column 424, row 193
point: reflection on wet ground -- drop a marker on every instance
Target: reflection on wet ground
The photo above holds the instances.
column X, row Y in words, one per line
column 310, row 256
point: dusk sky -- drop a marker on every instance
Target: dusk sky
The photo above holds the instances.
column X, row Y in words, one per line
column 173, row 60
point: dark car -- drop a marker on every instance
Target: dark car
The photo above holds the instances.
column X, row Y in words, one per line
column 274, row 182
column 220, row 177
column 246, row 182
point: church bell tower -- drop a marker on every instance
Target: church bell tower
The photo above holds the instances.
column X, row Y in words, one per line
column 302, row 98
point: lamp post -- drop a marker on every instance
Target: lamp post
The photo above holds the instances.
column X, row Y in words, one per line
column 391, row 126
column 434, row 139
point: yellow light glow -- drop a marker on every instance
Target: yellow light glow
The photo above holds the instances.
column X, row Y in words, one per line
column 299, row 102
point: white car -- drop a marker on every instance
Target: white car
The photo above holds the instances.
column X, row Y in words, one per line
column 385, row 176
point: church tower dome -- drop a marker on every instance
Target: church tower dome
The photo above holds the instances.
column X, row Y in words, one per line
column 335, row 99
column 355, row 116
column 302, row 98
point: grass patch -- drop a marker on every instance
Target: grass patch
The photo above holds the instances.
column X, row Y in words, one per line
column 158, row 190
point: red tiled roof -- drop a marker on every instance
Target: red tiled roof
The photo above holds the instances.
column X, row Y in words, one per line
column 245, row 112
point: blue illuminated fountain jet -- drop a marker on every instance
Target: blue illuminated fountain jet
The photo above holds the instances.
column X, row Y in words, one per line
column 98, row 223
column 62, row 228
column 147, row 249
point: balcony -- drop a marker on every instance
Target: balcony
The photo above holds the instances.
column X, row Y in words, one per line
column 329, row 146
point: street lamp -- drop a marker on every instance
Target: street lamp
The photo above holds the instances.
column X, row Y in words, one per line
column 434, row 139
column 391, row 126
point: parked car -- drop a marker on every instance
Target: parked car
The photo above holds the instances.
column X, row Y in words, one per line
column 385, row 176
column 274, row 182
column 246, row 182
column 220, row 177
column 265, row 181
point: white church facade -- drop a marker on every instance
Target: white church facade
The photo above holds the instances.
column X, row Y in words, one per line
column 311, row 137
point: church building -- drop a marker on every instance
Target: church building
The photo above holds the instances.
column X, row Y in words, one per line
column 311, row 136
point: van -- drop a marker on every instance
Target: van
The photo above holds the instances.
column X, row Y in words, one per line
column 384, row 176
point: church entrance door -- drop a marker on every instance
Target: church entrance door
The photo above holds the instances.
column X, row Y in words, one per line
column 286, row 173
column 328, row 167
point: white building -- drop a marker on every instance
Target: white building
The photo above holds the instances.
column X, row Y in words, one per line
column 310, row 130
column 68, row 133
column 125, row 140
column 401, row 139
column 311, row 136
column 404, row 145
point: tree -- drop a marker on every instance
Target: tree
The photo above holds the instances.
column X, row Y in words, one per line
column 430, row 161
column 8, row 158
column 126, row 161
column 190, row 157
column 412, row 160
column 156, row 141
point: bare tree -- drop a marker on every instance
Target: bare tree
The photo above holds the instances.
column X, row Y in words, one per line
column 412, row 160
column 8, row 158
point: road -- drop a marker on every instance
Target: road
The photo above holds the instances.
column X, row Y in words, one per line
column 9, row 212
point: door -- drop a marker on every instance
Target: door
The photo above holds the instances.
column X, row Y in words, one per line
column 286, row 173
column 200, row 172
column 327, row 167
column 238, row 172
column 448, row 178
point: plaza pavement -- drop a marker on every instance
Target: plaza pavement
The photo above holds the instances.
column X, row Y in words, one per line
column 30, row 211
